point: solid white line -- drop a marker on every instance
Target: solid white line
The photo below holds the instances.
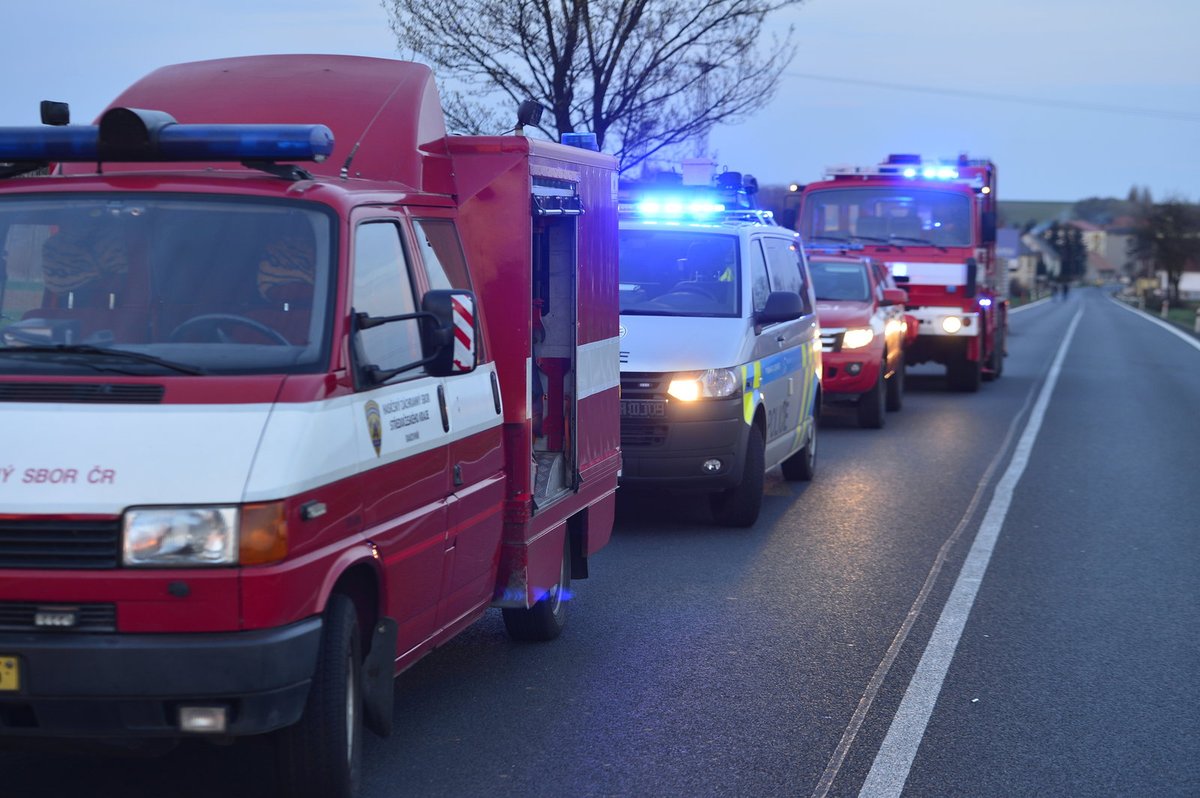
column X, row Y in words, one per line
column 1188, row 339
column 894, row 761
column 1028, row 305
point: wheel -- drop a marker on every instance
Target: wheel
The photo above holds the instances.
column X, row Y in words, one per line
column 739, row 506
column 544, row 620
column 802, row 466
column 895, row 387
column 216, row 322
column 321, row 755
column 996, row 358
column 871, row 404
column 965, row 375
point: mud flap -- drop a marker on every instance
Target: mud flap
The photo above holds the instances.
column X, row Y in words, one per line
column 379, row 677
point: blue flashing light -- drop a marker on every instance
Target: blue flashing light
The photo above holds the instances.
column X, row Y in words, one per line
column 44, row 144
column 985, row 303
column 245, row 143
column 586, row 141
column 173, row 142
column 910, row 172
column 678, row 208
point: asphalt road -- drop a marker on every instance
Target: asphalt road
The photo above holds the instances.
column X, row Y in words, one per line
column 777, row 661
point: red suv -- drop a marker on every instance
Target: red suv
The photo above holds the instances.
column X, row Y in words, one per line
column 863, row 333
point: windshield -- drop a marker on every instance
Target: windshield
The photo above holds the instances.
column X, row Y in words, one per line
column 679, row 273
column 144, row 284
column 844, row 282
column 884, row 214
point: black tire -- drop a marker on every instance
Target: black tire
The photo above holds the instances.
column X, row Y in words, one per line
column 965, row 375
column 895, row 388
column 996, row 358
column 802, row 466
column 321, row 755
column 545, row 619
column 872, row 403
column 739, row 506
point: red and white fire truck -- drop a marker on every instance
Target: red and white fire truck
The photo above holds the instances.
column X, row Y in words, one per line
column 293, row 387
column 934, row 224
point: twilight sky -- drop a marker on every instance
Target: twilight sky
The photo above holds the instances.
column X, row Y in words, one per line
column 1071, row 98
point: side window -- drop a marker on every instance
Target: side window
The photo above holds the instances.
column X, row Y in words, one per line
column 786, row 265
column 443, row 255
column 760, row 284
column 382, row 287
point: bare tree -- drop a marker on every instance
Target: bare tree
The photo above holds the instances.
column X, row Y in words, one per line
column 1168, row 235
column 643, row 75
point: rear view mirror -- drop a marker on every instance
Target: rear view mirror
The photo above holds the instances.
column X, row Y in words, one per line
column 781, row 306
column 894, row 296
column 450, row 332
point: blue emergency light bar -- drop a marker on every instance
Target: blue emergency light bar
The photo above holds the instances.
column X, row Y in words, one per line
column 669, row 207
column 134, row 135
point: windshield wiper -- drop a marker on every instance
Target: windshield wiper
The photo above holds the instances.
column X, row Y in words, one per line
column 860, row 237
column 101, row 351
column 912, row 240
column 839, row 239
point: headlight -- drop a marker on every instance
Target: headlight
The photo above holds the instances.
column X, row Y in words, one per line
column 711, row 384
column 952, row 324
column 857, row 338
column 181, row 536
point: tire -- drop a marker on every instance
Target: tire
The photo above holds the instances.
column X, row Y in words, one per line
column 965, row 375
column 321, row 755
column 739, row 506
column 802, row 466
column 871, row 404
column 545, row 619
column 996, row 358
column 895, row 388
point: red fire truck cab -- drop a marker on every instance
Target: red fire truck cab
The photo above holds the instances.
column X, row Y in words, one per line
column 293, row 387
column 934, row 225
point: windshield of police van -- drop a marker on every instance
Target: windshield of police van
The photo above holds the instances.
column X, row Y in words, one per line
column 840, row 282
column 898, row 215
column 154, row 284
column 679, row 273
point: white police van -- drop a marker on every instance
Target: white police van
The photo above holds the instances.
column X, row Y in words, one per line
column 720, row 345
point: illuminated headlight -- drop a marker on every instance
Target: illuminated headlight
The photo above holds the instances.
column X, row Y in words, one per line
column 711, row 384
column 857, row 338
column 181, row 536
column 951, row 324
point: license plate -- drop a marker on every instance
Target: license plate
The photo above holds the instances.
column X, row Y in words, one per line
column 643, row 408
column 10, row 674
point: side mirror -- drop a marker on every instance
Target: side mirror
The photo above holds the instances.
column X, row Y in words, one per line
column 972, row 278
column 781, row 306
column 894, row 296
column 988, row 224
column 450, row 333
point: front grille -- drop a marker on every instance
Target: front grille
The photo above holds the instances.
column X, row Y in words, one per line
column 831, row 340
column 82, row 392
column 22, row 617
column 643, row 432
column 636, row 385
column 59, row 545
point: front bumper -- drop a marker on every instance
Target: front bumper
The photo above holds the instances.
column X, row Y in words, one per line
column 77, row 685
column 840, row 378
column 670, row 450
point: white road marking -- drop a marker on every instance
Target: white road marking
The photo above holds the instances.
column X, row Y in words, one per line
column 1188, row 339
column 894, row 761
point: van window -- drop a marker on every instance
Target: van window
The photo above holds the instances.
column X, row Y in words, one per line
column 760, row 283
column 679, row 273
column 383, row 287
column 221, row 285
column 442, row 252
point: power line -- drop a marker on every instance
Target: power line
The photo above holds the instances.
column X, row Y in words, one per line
column 1179, row 116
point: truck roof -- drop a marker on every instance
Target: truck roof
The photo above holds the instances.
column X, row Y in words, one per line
column 385, row 113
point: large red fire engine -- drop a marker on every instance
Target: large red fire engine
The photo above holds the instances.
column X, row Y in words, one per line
column 934, row 225
column 287, row 403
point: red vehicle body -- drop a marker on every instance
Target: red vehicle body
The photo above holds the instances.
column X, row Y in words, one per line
column 934, row 225
column 222, row 516
column 864, row 333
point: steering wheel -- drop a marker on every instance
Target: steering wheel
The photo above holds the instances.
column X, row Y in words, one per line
column 216, row 321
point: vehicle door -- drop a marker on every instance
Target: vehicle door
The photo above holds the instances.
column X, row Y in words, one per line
column 473, row 418
column 400, row 430
column 892, row 315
